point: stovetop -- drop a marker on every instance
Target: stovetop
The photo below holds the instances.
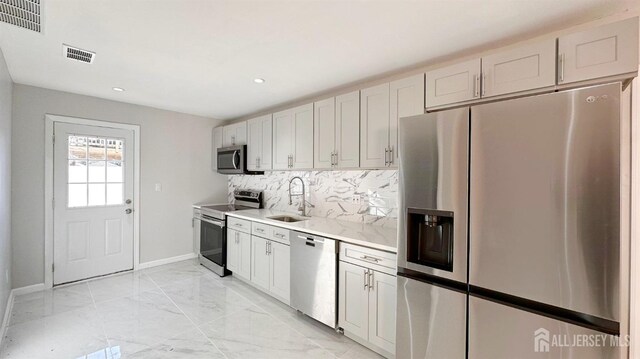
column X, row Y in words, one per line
column 218, row 210
column 228, row 207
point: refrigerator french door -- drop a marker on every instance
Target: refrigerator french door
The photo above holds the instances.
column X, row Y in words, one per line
column 432, row 246
column 544, row 232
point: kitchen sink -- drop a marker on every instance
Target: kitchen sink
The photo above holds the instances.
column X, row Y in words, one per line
column 287, row 219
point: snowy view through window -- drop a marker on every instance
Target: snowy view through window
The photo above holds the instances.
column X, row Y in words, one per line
column 95, row 171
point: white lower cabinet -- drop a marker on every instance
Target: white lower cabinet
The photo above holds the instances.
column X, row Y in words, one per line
column 260, row 263
column 279, row 271
column 270, row 267
column 382, row 310
column 239, row 253
column 367, row 305
column 353, row 301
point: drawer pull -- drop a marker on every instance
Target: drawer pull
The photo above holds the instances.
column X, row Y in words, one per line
column 260, row 230
column 279, row 235
column 370, row 259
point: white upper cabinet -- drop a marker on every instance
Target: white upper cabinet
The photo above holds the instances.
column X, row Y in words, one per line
column 234, row 134
column 604, row 51
column 455, row 83
column 348, row 130
column 520, row 69
column 381, row 107
column 303, row 136
column 293, row 138
column 217, row 143
column 407, row 99
column 324, row 134
column 374, row 126
column 282, row 139
column 259, row 136
column 337, row 131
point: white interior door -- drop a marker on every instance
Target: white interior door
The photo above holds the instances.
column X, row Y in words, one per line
column 93, row 193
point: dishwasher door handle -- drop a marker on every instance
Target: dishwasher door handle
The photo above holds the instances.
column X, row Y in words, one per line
column 316, row 240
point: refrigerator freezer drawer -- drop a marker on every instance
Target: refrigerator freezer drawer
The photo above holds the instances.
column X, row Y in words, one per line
column 545, row 199
column 431, row 321
column 497, row 331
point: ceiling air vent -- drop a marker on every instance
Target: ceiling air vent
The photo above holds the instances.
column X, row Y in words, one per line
column 23, row 13
column 77, row 54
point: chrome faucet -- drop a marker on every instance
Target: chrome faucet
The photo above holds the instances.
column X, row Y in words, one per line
column 303, row 206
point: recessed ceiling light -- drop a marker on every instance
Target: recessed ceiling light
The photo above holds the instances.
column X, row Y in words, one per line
column 119, row 89
column 258, row 80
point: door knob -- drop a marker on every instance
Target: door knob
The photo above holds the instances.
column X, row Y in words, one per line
column 128, row 211
column 127, row 201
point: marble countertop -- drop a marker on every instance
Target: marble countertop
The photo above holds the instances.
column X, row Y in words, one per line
column 367, row 235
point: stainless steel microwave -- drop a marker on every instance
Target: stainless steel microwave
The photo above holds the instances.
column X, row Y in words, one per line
column 233, row 161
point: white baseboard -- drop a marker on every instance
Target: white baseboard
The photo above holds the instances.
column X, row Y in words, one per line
column 28, row 289
column 169, row 260
column 7, row 316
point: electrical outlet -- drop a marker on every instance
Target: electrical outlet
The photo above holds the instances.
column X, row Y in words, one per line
column 356, row 199
column 158, row 187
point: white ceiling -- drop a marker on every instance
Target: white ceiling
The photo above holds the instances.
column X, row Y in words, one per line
column 200, row 56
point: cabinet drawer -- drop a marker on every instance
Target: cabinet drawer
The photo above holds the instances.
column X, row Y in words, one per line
column 261, row 230
column 280, row 235
column 238, row 224
column 367, row 257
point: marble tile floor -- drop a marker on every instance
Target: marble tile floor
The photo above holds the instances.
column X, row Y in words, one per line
column 179, row 310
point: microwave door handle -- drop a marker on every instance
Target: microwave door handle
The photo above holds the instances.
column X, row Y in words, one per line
column 235, row 155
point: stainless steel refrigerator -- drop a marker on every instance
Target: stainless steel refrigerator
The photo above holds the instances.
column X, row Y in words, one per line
column 509, row 240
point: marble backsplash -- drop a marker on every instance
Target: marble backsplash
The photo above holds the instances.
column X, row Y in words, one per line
column 367, row 196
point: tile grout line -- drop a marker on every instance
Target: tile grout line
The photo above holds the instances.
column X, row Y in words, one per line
column 104, row 331
column 186, row 316
column 281, row 321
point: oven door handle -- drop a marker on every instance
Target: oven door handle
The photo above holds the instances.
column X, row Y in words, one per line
column 216, row 223
column 235, row 154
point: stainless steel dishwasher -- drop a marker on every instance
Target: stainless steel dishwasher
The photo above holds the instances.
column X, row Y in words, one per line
column 313, row 276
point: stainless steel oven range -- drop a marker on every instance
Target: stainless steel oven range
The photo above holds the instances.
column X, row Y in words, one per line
column 212, row 223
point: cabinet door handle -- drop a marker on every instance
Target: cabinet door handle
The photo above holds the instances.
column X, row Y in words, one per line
column 386, row 156
column 484, row 84
column 366, row 279
column 561, row 68
column 266, row 248
column 476, row 87
column 370, row 280
column 390, row 156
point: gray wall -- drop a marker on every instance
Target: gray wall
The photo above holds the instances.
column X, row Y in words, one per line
column 175, row 151
column 5, row 184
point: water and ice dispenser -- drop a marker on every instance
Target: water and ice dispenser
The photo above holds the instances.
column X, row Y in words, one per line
column 430, row 238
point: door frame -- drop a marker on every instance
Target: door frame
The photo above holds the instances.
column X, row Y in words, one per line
column 50, row 120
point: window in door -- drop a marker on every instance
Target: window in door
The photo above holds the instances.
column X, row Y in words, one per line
column 95, row 171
